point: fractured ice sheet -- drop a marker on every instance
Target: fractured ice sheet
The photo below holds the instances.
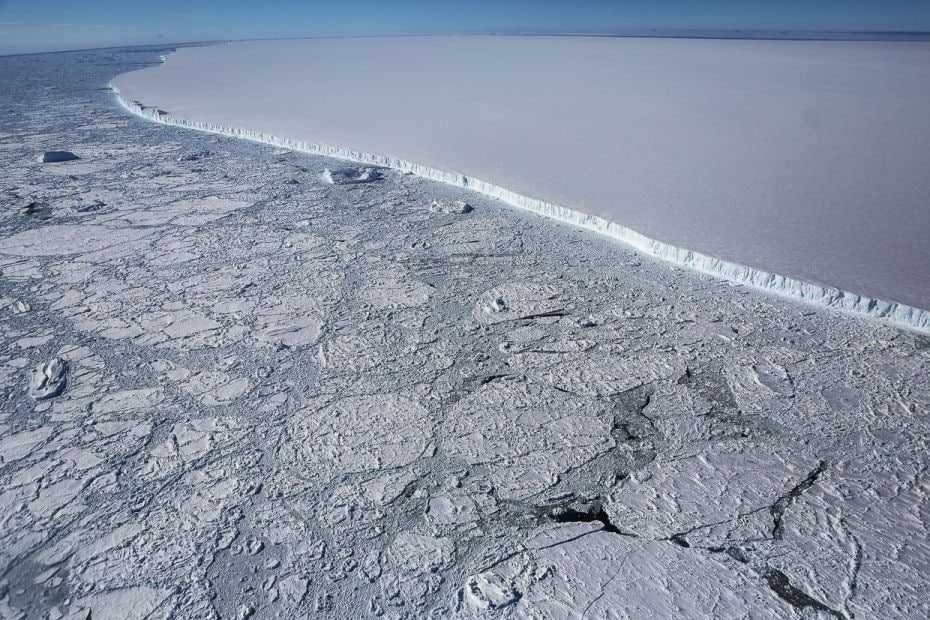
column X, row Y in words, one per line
column 291, row 321
column 530, row 434
column 292, row 399
column 715, row 490
column 66, row 239
column 851, row 537
column 362, row 433
column 598, row 574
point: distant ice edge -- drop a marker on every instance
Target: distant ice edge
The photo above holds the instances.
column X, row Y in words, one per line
column 897, row 314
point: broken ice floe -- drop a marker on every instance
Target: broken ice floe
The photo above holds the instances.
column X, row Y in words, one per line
column 88, row 207
column 451, row 207
column 362, row 433
column 67, row 239
column 396, row 294
column 37, row 210
column 519, row 300
column 197, row 155
column 48, row 379
column 530, row 432
column 215, row 388
column 49, row 157
column 291, row 322
column 590, row 374
column 710, row 496
column 597, row 573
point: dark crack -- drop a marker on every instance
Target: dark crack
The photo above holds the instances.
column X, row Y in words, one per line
column 493, row 378
column 781, row 505
column 578, row 516
column 680, row 540
column 798, row 599
column 543, row 315
column 780, row 584
column 587, row 512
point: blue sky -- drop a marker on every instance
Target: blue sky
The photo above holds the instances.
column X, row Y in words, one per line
column 35, row 25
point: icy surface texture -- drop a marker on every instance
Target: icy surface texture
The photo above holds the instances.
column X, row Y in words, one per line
column 798, row 167
column 233, row 389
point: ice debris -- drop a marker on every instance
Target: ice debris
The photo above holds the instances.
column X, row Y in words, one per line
column 194, row 156
column 451, row 207
column 497, row 305
column 51, row 157
column 37, row 210
column 489, row 592
column 48, row 379
column 350, row 176
column 88, row 207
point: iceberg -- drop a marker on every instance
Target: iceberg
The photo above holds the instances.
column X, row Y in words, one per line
column 810, row 182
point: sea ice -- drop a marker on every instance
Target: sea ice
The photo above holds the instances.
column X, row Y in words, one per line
column 292, row 400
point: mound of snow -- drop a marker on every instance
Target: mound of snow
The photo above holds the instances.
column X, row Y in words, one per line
column 350, row 176
column 48, row 379
column 452, row 207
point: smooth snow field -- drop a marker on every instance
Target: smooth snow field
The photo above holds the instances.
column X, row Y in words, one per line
column 805, row 159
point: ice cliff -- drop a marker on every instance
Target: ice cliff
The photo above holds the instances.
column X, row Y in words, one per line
column 891, row 312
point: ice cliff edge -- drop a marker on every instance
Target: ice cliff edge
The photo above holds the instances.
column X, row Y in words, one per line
column 895, row 313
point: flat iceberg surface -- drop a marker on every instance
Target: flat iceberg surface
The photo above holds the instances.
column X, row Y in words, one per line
column 804, row 159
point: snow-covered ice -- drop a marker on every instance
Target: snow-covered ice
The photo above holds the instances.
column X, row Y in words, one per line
column 48, row 379
column 773, row 163
column 227, row 394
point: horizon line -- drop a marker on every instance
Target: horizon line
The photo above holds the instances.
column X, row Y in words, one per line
column 734, row 34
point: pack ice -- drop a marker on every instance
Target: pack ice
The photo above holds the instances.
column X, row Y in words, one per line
column 226, row 394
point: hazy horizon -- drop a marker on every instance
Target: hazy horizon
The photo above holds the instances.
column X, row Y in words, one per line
column 27, row 27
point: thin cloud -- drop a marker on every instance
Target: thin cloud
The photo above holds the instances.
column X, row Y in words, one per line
column 80, row 25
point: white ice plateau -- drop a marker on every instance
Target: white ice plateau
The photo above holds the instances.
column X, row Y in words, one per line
column 797, row 167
